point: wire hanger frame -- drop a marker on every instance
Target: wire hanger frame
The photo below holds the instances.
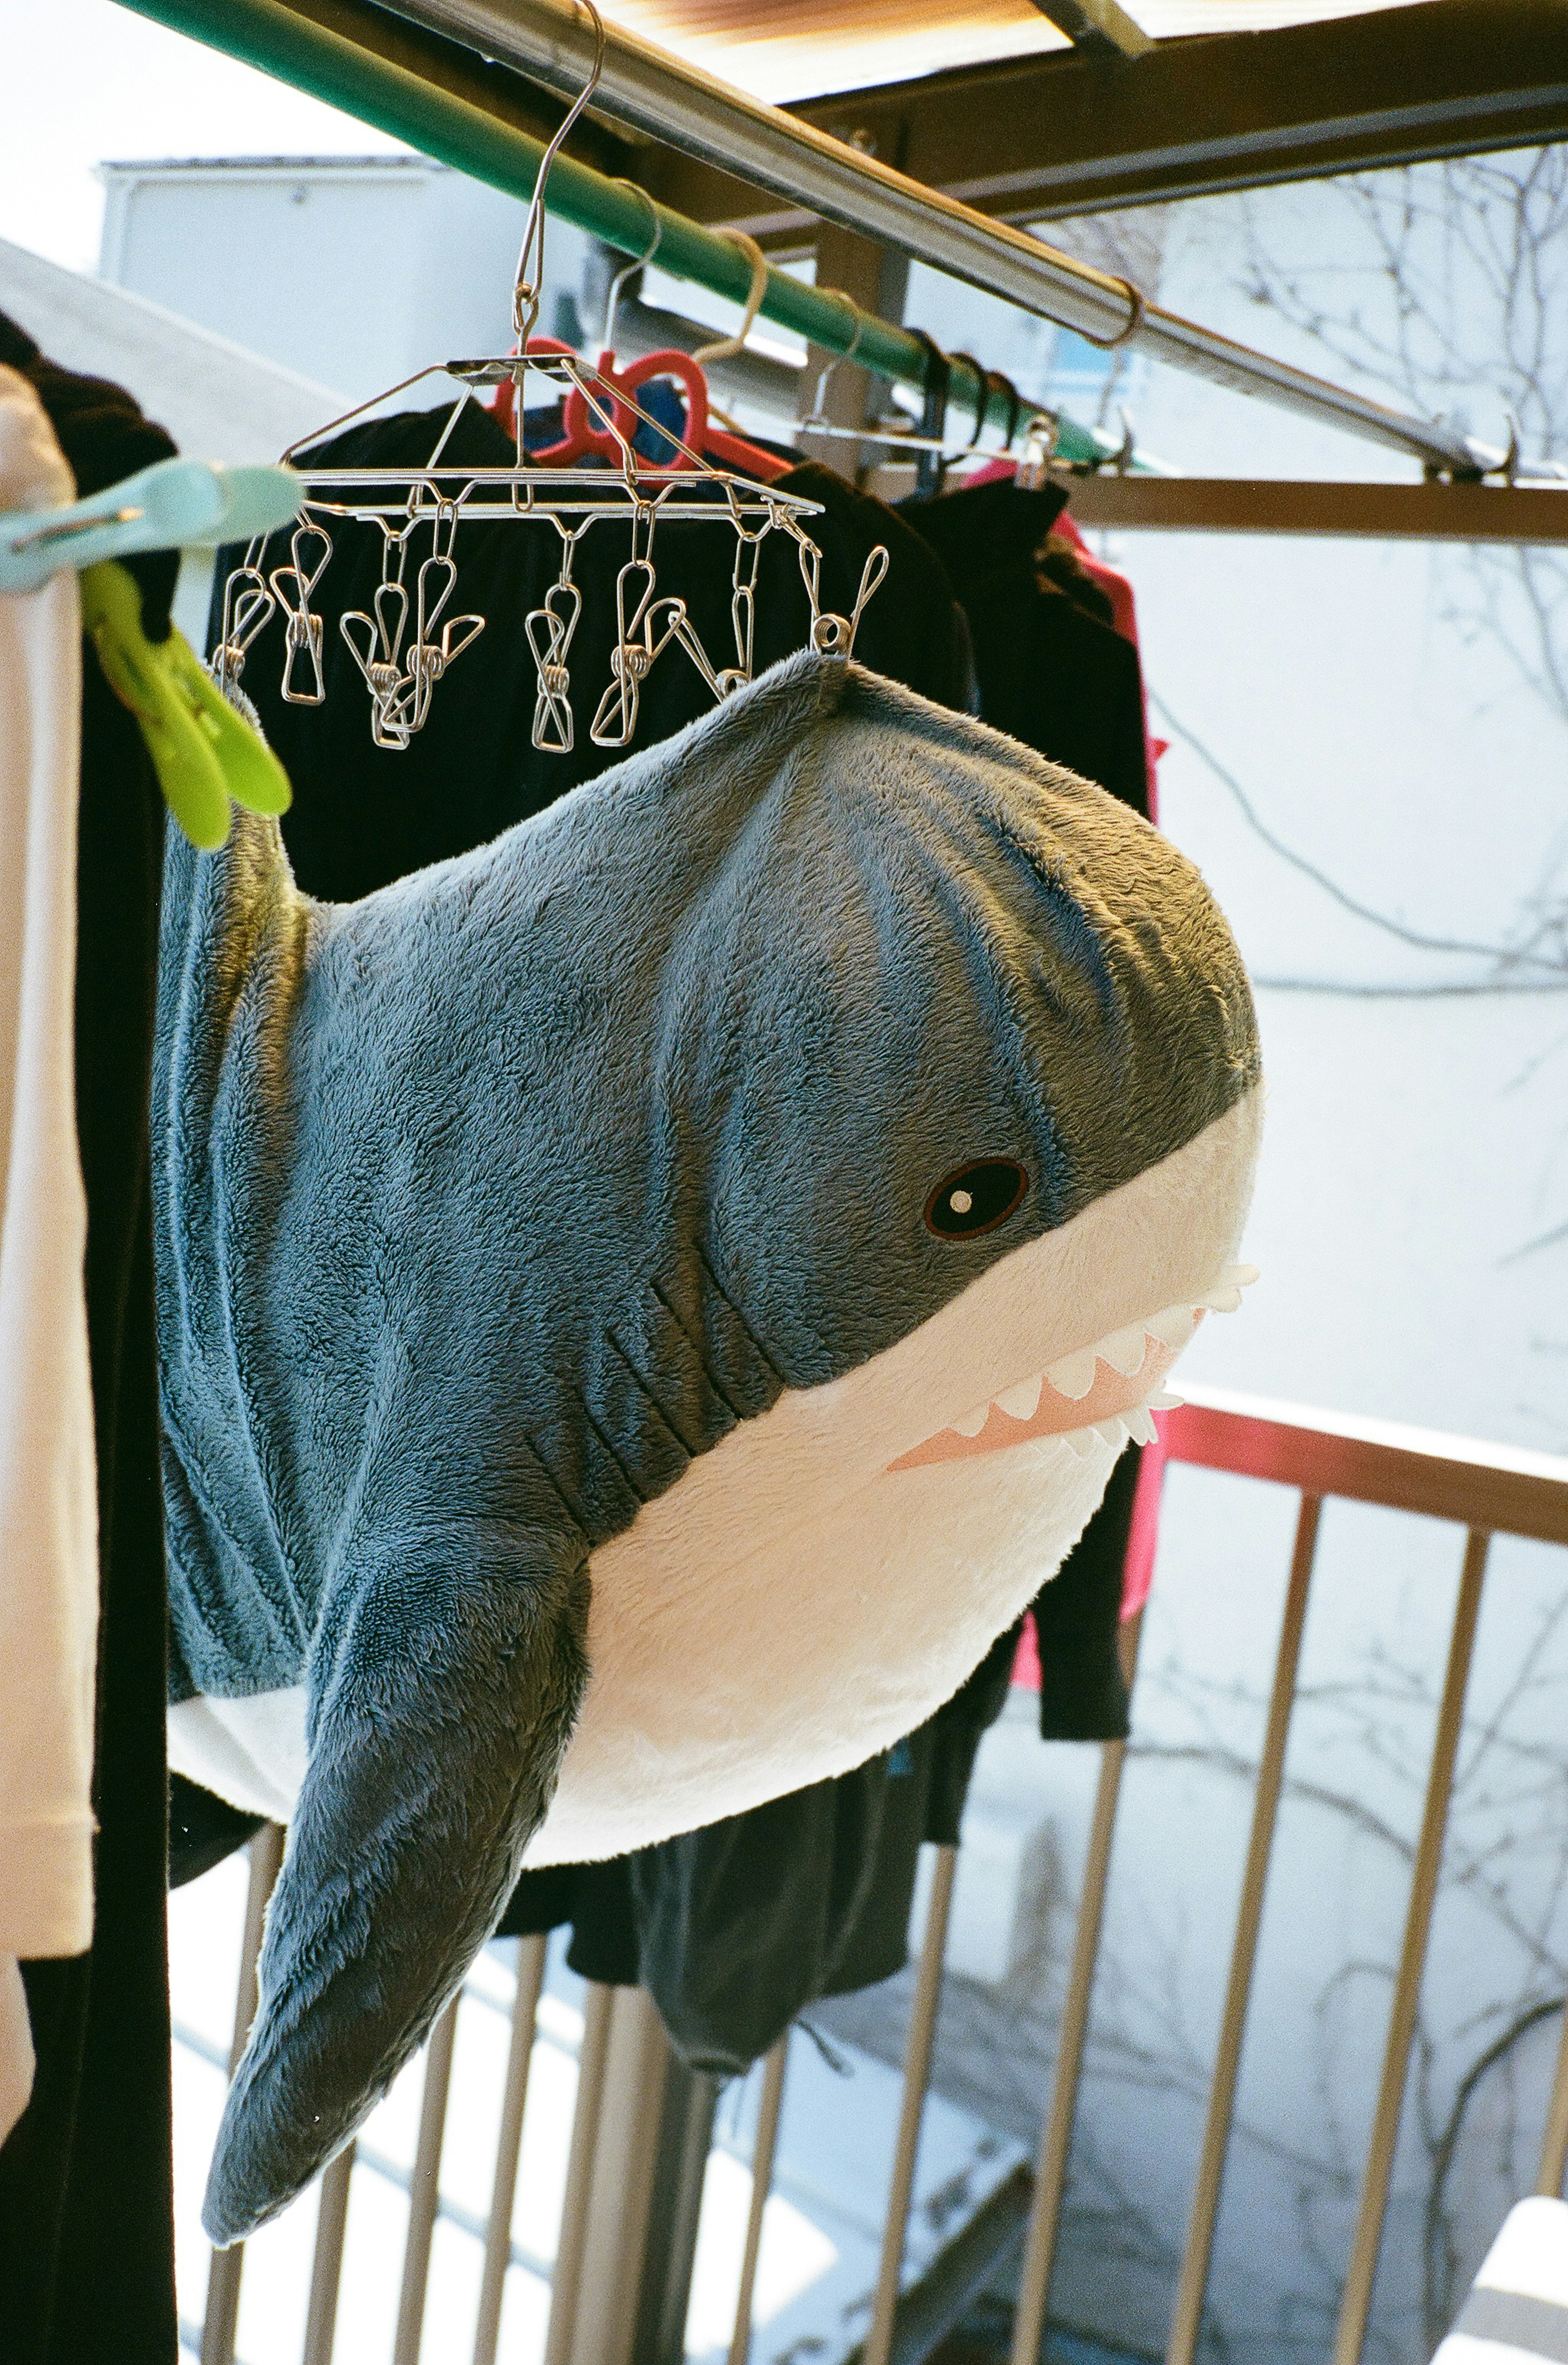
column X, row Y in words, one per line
column 414, row 631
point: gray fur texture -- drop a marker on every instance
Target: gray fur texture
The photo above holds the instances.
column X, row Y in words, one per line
column 483, row 1206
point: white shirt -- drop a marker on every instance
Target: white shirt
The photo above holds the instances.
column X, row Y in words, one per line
column 49, row 1573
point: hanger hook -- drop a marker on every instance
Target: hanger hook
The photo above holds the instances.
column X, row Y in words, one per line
column 529, row 279
column 931, row 465
column 723, row 348
column 982, row 380
column 834, row 361
column 638, row 263
column 1137, row 304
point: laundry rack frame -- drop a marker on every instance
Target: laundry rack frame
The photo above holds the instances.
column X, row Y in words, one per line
column 646, row 90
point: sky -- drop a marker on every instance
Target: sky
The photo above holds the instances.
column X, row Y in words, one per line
column 96, row 81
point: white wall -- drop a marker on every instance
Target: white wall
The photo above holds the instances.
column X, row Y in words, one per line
column 357, row 271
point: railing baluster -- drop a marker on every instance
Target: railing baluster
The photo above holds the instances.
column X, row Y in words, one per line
column 220, row 2316
column 326, row 2264
column 1056, row 2139
column 1187, row 2317
column 1356, row 2308
column 503, row 2192
column 916, row 2075
column 769, row 2107
column 424, row 2187
column 564, row 2287
column 1555, row 2143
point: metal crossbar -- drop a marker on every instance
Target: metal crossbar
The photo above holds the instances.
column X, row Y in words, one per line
column 1487, row 1490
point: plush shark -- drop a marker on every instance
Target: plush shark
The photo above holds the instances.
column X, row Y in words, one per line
column 645, row 1304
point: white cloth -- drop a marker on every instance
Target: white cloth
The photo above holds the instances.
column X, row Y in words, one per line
column 49, row 1573
column 1518, row 2310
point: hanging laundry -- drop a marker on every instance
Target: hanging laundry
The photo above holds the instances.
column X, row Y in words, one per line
column 1051, row 667
column 363, row 815
column 838, row 1040
column 49, row 1589
column 86, row 2183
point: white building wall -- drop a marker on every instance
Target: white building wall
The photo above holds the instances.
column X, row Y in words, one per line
column 354, row 270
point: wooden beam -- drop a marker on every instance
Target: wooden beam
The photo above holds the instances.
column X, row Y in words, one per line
column 1072, row 132
column 1426, row 512
column 1435, row 512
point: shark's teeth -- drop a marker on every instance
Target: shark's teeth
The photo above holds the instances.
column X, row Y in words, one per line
column 1124, row 1349
column 1074, row 1374
column 1022, row 1402
column 1124, row 1352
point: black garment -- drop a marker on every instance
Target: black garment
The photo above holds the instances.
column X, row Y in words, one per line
column 1052, row 669
column 87, row 2180
column 1053, row 672
column 363, row 815
column 735, row 1928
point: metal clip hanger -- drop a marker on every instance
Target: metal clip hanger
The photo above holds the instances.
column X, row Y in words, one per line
column 597, row 476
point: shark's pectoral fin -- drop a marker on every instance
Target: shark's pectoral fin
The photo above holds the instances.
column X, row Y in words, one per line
column 444, row 1683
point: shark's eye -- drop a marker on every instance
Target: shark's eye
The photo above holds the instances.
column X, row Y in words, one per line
column 976, row 1199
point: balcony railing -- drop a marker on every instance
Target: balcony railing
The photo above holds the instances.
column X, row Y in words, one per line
column 639, row 2134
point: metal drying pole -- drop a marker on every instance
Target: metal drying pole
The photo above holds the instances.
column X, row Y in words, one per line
column 550, row 41
column 648, row 91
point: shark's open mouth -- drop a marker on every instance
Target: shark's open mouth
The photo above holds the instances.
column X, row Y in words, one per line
column 1107, row 1390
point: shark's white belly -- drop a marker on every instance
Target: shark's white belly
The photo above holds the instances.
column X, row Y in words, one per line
column 792, row 1605
column 794, row 1661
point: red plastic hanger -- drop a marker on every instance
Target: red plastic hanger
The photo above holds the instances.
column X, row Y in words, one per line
column 583, row 438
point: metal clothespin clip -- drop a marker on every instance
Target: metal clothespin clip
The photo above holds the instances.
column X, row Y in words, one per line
column 640, row 636
column 550, row 629
column 429, row 658
column 833, row 636
column 743, row 592
column 292, row 586
column 374, row 640
column 247, row 606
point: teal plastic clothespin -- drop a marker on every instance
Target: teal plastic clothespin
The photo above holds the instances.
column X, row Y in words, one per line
column 206, row 754
column 171, row 506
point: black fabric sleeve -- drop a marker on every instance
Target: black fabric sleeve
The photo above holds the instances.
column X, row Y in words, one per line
column 1078, row 1618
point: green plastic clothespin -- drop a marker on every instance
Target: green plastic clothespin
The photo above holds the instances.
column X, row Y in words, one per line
column 206, row 754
